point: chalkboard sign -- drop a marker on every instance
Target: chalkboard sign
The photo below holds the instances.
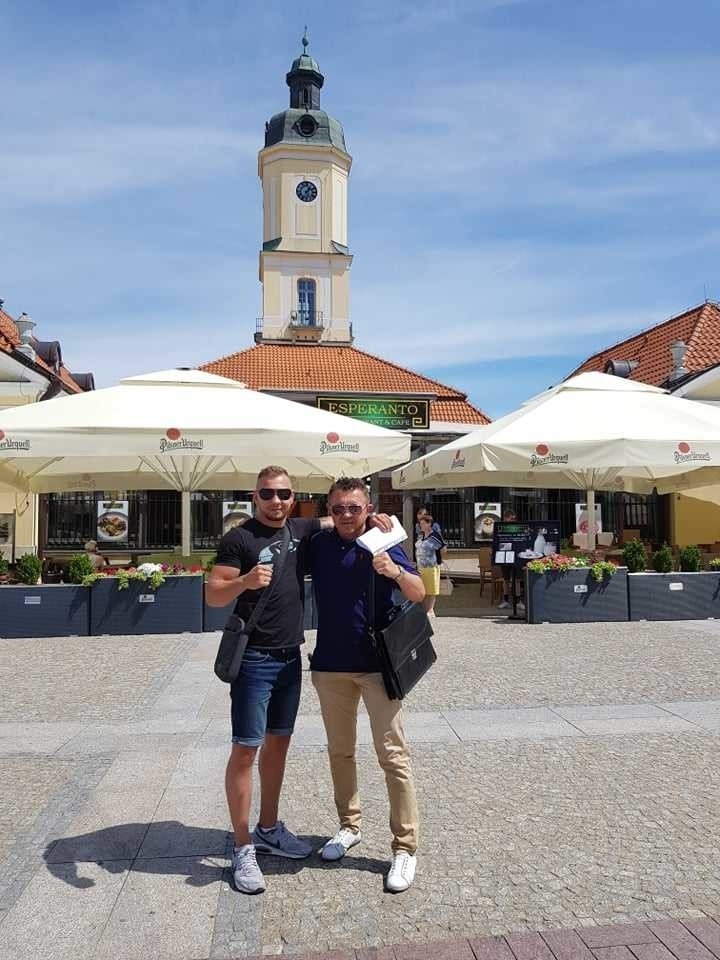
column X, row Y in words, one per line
column 515, row 542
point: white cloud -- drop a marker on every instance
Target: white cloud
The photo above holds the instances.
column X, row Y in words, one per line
column 68, row 165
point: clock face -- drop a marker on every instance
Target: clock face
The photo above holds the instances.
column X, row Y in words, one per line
column 306, row 191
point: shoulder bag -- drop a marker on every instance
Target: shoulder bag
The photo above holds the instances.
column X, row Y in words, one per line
column 237, row 632
column 402, row 643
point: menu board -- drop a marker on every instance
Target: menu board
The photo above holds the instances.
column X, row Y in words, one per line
column 235, row 513
column 113, row 521
column 515, row 542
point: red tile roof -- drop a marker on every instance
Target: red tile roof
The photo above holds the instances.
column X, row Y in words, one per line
column 320, row 368
column 699, row 328
column 10, row 340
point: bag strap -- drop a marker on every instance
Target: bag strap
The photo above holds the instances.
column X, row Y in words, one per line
column 267, row 592
column 370, row 612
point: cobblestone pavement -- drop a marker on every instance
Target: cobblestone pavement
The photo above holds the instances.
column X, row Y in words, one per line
column 568, row 776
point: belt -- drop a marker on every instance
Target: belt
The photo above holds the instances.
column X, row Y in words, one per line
column 279, row 653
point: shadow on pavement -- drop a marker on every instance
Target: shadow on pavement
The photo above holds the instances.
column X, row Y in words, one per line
column 168, row 847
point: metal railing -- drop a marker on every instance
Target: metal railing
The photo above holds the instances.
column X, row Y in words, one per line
column 304, row 317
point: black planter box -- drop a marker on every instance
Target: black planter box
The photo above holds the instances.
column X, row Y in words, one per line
column 57, row 610
column 674, row 596
column 215, row 618
column 175, row 607
column 576, row 597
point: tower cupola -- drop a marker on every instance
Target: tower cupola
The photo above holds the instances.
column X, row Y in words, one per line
column 305, row 80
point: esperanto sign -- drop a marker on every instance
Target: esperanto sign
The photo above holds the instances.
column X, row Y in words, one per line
column 395, row 413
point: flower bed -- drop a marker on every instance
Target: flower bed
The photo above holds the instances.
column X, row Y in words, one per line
column 578, row 589
column 163, row 599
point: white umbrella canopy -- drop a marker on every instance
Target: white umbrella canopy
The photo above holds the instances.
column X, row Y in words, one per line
column 592, row 432
column 184, row 430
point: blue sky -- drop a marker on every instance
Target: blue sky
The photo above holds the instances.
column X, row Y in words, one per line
column 532, row 179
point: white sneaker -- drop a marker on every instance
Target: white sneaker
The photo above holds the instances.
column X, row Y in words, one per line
column 245, row 870
column 402, row 872
column 504, row 605
column 338, row 846
column 520, row 606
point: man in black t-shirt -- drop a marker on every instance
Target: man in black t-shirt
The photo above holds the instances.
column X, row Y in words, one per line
column 266, row 694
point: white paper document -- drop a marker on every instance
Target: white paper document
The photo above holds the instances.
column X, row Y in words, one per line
column 376, row 540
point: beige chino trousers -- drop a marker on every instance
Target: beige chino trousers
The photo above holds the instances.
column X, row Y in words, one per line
column 339, row 695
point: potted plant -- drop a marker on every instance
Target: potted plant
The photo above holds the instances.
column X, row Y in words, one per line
column 30, row 609
column 688, row 594
column 575, row 589
column 150, row 598
column 635, row 556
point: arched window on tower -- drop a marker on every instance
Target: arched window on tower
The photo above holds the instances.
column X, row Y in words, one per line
column 306, row 96
column 306, row 302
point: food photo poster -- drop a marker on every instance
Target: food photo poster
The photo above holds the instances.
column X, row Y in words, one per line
column 113, row 521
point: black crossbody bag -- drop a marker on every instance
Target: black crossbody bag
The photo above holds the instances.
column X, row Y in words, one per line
column 402, row 643
column 237, row 632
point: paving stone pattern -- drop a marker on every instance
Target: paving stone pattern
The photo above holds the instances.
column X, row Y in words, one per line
column 567, row 776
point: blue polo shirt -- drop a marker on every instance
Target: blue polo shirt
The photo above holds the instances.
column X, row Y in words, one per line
column 341, row 572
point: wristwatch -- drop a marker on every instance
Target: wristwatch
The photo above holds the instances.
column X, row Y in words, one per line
column 400, row 574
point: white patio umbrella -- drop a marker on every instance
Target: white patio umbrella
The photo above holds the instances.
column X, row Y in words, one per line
column 592, row 432
column 184, row 430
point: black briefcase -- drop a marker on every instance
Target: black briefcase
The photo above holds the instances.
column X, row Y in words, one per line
column 404, row 648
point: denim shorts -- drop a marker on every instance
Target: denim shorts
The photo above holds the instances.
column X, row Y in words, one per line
column 265, row 696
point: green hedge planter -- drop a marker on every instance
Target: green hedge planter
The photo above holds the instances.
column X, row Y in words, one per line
column 674, row 596
column 49, row 610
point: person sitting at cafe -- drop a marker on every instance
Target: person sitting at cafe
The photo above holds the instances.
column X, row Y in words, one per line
column 96, row 559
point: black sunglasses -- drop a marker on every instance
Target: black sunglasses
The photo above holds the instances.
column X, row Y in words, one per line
column 267, row 493
column 338, row 509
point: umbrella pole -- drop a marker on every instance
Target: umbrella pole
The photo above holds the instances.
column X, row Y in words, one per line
column 185, row 522
column 590, row 504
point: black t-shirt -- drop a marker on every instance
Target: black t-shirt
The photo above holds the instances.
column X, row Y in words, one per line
column 281, row 622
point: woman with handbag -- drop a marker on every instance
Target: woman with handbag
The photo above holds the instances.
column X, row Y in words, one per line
column 427, row 548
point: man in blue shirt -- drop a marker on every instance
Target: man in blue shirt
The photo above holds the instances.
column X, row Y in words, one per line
column 345, row 667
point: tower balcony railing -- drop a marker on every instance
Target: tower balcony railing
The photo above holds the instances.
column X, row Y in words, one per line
column 301, row 324
column 303, row 317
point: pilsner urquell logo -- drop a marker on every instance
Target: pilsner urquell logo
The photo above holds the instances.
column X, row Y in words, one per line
column 174, row 440
column 457, row 461
column 684, row 453
column 333, row 444
column 7, row 443
column 542, row 456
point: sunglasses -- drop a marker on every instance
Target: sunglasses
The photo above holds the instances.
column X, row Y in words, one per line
column 267, row 493
column 339, row 509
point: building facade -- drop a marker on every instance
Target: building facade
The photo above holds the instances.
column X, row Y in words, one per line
column 31, row 371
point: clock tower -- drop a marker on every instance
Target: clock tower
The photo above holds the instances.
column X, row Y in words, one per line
column 305, row 260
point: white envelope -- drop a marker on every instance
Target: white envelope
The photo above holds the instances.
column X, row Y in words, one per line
column 376, row 541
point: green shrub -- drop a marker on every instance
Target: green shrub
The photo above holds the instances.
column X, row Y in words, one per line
column 4, row 566
column 634, row 556
column 690, row 559
column 715, row 563
column 80, row 566
column 27, row 568
column 662, row 560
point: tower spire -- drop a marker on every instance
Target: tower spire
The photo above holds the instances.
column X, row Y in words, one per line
column 305, row 80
